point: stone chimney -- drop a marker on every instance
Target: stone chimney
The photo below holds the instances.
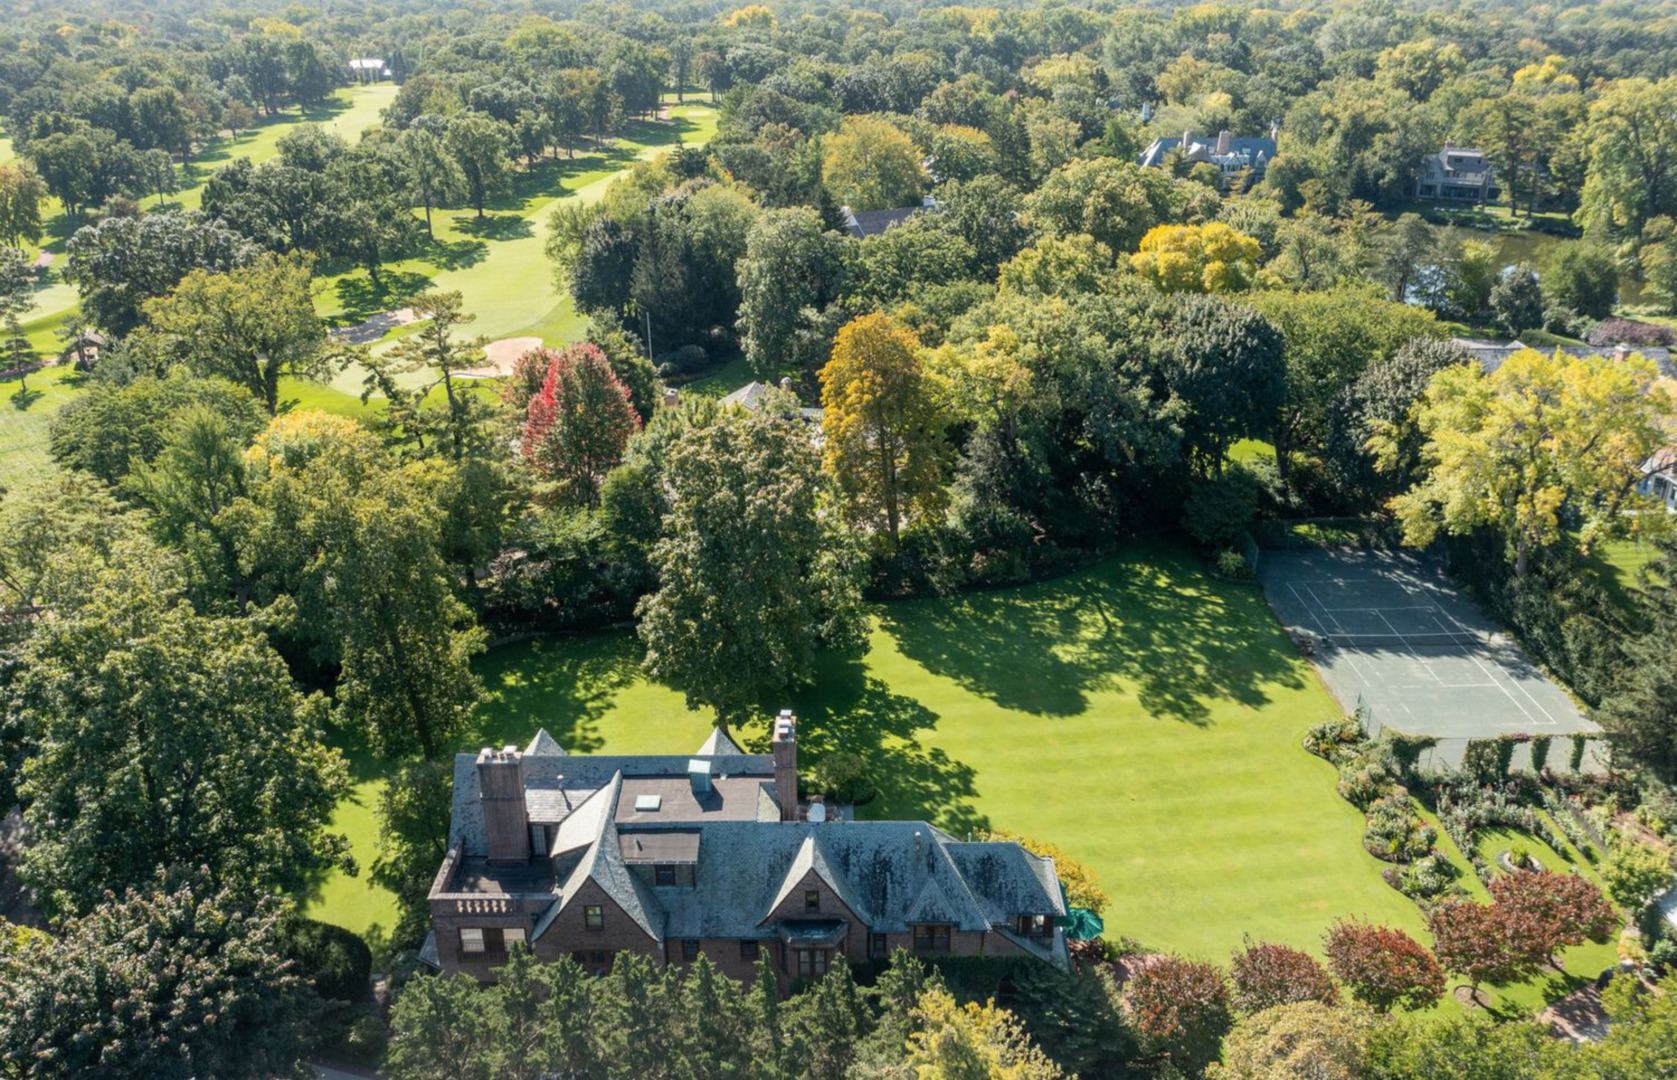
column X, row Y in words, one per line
column 1187, row 138
column 506, row 822
column 1222, row 142
column 786, row 764
column 1621, row 352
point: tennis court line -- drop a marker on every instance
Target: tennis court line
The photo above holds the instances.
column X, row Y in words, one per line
column 1548, row 717
column 1426, row 667
column 1322, row 629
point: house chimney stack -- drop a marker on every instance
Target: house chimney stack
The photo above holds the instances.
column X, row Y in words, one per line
column 506, row 822
column 1621, row 352
column 786, row 764
column 1187, row 138
column 1222, row 142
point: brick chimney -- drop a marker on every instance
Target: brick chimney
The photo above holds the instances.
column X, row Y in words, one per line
column 506, row 822
column 786, row 764
column 1223, row 142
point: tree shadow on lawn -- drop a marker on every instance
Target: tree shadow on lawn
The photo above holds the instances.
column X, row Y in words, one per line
column 456, row 254
column 848, row 710
column 564, row 685
column 362, row 299
column 1148, row 620
column 497, row 227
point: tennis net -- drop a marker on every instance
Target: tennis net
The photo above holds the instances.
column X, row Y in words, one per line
column 1401, row 642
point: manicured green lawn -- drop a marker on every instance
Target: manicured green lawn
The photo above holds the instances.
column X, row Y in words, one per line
column 24, row 419
column 1138, row 714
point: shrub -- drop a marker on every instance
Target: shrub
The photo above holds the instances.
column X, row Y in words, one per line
column 336, row 961
column 683, row 361
column 1635, row 872
column 1370, row 775
column 1232, row 564
column 844, row 778
column 1539, row 753
column 1395, row 832
column 1336, row 740
column 1266, row 975
column 1305, row 1039
column 1427, row 878
column 1181, row 1008
column 1383, row 967
column 1611, row 332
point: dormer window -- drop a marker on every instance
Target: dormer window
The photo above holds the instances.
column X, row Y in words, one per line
column 594, row 917
column 663, row 874
column 931, row 938
column 1036, row 926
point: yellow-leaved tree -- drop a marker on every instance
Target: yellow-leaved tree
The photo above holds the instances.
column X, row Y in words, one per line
column 956, row 1042
column 884, row 439
column 1511, row 449
column 1210, row 258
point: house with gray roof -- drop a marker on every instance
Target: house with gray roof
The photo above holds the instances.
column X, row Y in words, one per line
column 1232, row 154
column 1456, row 174
column 713, row 854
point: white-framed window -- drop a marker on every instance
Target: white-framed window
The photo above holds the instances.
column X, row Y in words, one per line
column 512, row 935
column 471, row 939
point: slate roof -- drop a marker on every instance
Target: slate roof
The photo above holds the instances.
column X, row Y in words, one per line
column 1491, row 354
column 1255, row 148
column 865, row 223
column 719, row 744
column 891, row 874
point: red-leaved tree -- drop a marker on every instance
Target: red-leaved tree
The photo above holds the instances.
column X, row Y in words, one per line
column 1181, row 1007
column 529, row 374
column 577, row 426
column 1476, row 941
column 1547, row 912
column 1383, row 967
column 1265, row 975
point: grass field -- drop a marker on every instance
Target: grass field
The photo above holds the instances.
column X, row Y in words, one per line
column 1140, row 715
column 24, row 419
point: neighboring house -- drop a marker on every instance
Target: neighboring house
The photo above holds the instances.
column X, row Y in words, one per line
column 865, row 223
column 715, row 855
column 1456, row 174
column 1230, row 154
column 1659, row 477
column 84, row 348
column 1659, row 472
column 752, row 395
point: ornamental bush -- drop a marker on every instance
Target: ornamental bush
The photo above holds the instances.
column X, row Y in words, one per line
column 1395, row 832
column 1266, row 975
column 1181, row 1009
column 1383, row 968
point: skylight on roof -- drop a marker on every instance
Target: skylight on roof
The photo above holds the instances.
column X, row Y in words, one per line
column 648, row 803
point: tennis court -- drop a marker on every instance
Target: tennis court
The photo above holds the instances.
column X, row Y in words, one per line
column 1388, row 630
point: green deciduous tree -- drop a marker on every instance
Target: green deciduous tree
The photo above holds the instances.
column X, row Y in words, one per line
column 248, row 325
column 1641, row 711
column 1631, row 137
column 432, row 169
column 174, row 980
column 21, row 196
column 120, row 263
column 479, row 145
column 793, row 267
column 751, row 581
column 166, row 739
column 871, row 165
column 344, row 550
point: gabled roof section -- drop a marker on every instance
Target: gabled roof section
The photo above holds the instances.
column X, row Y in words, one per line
column 544, row 745
column 1006, row 880
column 812, row 858
column 718, row 744
column 603, row 864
